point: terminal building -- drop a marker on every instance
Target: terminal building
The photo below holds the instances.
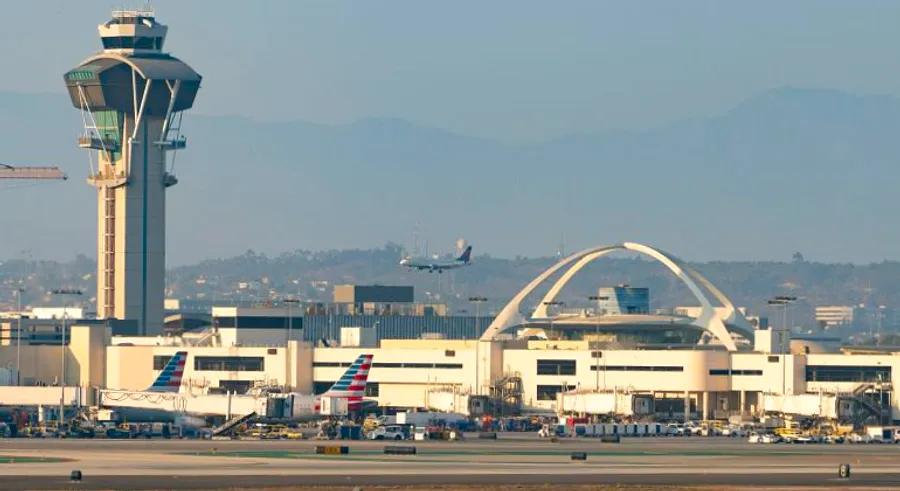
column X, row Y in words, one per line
column 730, row 370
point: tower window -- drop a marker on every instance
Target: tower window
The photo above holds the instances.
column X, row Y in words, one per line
column 128, row 42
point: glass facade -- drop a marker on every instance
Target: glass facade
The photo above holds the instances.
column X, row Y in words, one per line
column 730, row 371
column 623, row 300
column 159, row 361
column 131, row 42
column 344, row 364
column 847, row 373
column 636, row 368
column 548, row 392
column 556, row 367
column 259, row 322
column 229, row 363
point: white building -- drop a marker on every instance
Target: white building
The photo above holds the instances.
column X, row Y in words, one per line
column 831, row 316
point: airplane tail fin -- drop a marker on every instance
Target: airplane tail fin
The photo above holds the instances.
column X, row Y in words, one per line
column 466, row 255
column 353, row 383
column 169, row 379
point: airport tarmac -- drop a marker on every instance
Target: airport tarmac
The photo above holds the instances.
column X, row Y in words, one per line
column 520, row 459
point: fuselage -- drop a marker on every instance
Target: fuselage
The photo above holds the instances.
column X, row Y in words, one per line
column 432, row 265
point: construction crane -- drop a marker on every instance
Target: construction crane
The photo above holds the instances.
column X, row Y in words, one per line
column 31, row 173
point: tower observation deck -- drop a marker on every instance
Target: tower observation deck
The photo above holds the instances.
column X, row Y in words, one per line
column 132, row 96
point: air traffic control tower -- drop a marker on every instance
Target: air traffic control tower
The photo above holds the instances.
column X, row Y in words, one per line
column 132, row 96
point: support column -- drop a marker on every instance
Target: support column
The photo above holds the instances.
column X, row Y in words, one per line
column 705, row 395
column 743, row 402
column 687, row 406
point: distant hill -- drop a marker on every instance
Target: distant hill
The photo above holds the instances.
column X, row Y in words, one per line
column 788, row 169
column 255, row 277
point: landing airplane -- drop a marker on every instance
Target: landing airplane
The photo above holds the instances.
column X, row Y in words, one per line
column 432, row 265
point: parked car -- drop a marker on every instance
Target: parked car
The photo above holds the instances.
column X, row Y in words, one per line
column 857, row 438
column 693, row 428
column 389, row 432
column 769, row 438
column 734, row 431
column 675, row 429
column 833, row 439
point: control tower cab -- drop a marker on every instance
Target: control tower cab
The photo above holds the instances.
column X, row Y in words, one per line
column 131, row 33
column 132, row 96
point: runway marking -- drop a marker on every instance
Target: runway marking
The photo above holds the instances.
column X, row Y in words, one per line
column 26, row 459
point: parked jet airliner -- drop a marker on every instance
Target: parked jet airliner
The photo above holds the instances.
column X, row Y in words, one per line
column 157, row 402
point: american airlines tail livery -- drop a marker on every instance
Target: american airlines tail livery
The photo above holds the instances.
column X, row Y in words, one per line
column 169, row 380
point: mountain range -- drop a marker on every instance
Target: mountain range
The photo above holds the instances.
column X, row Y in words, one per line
column 789, row 169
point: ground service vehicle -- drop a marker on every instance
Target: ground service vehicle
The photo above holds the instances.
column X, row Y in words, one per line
column 389, row 432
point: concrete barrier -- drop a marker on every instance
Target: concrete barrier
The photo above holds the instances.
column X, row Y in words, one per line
column 399, row 450
column 487, row 435
column 332, row 449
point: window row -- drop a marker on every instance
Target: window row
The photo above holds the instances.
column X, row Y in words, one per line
column 636, row 368
column 846, row 373
column 733, row 371
column 131, row 42
column 556, row 367
column 218, row 363
column 345, row 364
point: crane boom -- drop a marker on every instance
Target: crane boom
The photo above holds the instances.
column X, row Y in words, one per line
column 46, row 173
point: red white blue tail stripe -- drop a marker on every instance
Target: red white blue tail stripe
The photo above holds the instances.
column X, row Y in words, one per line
column 352, row 384
column 169, row 379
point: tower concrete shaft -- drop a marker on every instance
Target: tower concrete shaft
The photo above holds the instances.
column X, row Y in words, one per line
column 131, row 229
column 132, row 96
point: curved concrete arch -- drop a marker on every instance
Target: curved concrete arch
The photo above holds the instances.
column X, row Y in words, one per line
column 510, row 316
column 672, row 264
column 730, row 315
column 541, row 311
column 708, row 319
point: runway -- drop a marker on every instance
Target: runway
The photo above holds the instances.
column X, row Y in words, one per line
column 513, row 459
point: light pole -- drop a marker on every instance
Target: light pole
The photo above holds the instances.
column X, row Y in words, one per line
column 595, row 298
column 287, row 341
column 62, row 354
column 783, row 301
column 18, row 292
column 290, row 324
column 477, row 300
column 548, row 305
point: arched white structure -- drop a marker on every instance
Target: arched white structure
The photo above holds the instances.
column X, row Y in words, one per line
column 711, row 319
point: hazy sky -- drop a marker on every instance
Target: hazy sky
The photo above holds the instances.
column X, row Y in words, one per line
column 518, row 71
column 515, row 70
